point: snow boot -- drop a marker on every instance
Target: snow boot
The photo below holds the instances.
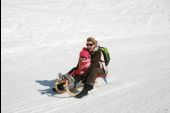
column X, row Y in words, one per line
column 84, row 92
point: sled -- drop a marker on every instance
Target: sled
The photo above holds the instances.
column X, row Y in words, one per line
column 65, row 86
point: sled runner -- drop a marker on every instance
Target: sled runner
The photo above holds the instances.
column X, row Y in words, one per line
column 66, row 86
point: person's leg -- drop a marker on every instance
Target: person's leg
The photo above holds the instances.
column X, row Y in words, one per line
column 88, row 85
column 94, row 74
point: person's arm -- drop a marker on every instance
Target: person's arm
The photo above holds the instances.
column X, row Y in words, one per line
column 72, row 70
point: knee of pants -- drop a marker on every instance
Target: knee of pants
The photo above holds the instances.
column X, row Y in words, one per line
column 92, row 76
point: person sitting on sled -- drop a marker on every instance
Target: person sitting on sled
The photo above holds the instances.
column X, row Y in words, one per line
column 82, row 66
column 92, row 71
column 75, row 75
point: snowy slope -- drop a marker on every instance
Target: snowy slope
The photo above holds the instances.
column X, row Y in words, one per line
column 41, row 38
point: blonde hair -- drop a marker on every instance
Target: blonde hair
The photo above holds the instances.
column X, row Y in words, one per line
column 92, row 40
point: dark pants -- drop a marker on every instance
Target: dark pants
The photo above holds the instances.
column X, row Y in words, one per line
column 91, row 76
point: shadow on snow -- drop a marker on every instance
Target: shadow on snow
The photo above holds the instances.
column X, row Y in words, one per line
column 47, row 91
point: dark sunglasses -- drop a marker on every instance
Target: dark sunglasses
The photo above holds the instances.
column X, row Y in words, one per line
column 89, row 44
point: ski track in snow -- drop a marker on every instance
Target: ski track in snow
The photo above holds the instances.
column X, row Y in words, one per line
column 42, row 38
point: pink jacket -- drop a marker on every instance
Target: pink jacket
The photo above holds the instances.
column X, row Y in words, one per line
column 84, row 62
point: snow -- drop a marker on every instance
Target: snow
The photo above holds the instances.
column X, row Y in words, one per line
column 41, row 38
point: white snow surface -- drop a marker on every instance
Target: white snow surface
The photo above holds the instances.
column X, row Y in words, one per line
column 41, row 38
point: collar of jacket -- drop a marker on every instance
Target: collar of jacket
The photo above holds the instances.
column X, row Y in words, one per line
column 96, row 48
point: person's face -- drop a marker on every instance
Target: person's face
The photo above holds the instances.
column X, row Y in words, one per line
column 83, row 59
column 90, row 46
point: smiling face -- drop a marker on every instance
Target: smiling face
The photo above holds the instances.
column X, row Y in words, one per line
column 90, row 46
